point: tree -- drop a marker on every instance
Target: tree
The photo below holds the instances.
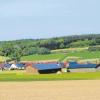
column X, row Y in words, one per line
column 43, row 51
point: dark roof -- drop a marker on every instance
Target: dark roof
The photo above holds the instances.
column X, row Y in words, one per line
column 47, row 66
column 75, row 65
column 20, row 65
column 7, row 65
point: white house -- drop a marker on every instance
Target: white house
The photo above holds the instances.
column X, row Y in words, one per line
column 13, row 66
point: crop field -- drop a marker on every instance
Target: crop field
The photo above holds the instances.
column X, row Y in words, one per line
column 51, row 90
column 22, row 76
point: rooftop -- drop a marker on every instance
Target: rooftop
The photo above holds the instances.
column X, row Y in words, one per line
column 75, row 65
column 47, row 66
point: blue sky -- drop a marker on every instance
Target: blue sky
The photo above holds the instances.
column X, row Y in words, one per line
column 48, row 18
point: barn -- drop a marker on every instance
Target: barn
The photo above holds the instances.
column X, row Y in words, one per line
column 44, row 68
column 76, row 67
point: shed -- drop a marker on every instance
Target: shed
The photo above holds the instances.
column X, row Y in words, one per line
column 76, row 67
column 44, row 68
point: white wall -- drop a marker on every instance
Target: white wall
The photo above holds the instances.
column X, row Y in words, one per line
column 83, row 70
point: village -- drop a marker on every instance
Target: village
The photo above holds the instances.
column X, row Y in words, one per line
column 50, row 67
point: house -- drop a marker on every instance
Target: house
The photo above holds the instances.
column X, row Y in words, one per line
column 76, row 67
column 8, row 66
column 44, row 68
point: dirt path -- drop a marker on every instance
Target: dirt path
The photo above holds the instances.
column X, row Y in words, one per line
column 51, row 90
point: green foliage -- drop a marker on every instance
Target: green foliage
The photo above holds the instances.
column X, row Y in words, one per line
column 43, row 51
column 82, row 43
column 30, row 51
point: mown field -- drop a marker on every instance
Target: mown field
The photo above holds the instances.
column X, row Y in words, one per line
column 80, row 55
column 57, row 56
column 85, row 54
column 5, row 76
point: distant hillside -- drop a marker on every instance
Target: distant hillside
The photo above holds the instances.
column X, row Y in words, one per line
column 26, row 47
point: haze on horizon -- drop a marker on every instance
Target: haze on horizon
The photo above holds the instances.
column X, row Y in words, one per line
column 24, row 19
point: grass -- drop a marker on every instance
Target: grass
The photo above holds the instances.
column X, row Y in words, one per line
column 85, row 54
column 74, row 53
column 69, row 50
column 49, row 77
column 57, row 56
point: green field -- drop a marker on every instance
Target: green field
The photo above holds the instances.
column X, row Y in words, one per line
column 57, row 57
column 85, row 54
column 48, row 77
column 64, row 56
column 70, row 50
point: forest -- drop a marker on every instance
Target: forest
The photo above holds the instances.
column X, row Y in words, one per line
column 17, row 48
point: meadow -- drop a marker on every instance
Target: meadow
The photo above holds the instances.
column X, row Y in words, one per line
column 60, row 56
column 56, row 56
column 7, row 76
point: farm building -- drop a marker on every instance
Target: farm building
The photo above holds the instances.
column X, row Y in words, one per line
column 76, row 67
column 8, row 66
column 44, row 68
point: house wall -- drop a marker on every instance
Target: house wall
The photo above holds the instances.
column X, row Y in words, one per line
column 83, row 70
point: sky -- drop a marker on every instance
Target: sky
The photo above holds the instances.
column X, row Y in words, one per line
column 24, row 19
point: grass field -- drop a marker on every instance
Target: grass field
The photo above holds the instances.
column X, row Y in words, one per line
column 48, row 77
column 62, row 56
column 85, row 54
column 57, row 56
column 70, row 50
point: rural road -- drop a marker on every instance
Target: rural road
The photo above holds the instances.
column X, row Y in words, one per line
column 51, row 90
